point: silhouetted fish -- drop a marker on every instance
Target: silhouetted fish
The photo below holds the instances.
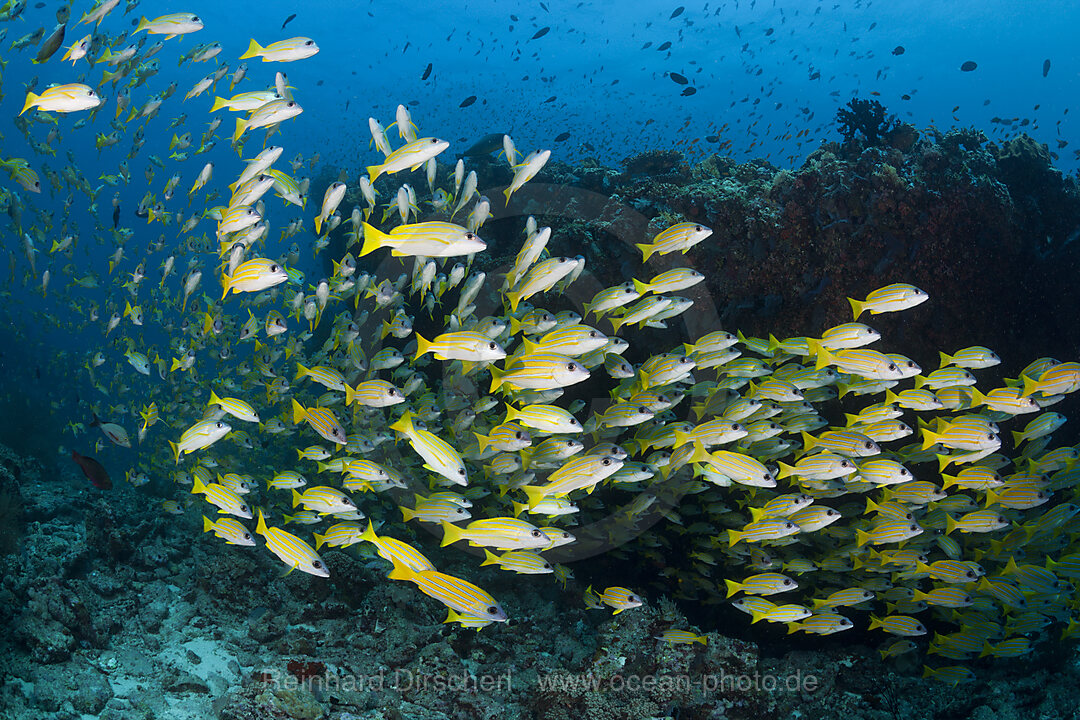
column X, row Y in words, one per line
column 541, row 33
column 485, row 146
column 1046, row 67
column 968, row 66
column 681, row 79
column 468, row 101
column 898, row 50
column 288, row 20
column 427, row 72
column 93, row 470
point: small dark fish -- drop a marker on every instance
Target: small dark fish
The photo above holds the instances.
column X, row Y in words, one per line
column 319, row 83
column 647, row 45
column 541, row 33
column 468, row 101
column 93, row 470
column 905, row 96
column 545, row 7
column 712, row 138
column 688, row 91
column 898, row 50
column 116, row 217
column 427, row 72
column 514, row 18
column 681, row 79
column 39, row 5
column 968, row 66
column 550, row 99
column 288, row 20
column 562, row 136
column 677, row 12
column 769, row 32
column 664, row 46
column 1046, row 67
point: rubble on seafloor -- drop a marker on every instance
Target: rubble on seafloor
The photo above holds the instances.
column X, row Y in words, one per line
column 119, row 612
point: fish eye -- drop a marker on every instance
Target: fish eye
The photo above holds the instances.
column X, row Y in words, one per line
column 913, row 528
column 535, row 533
column 247, row 536
column 434, row 141
column 310, row 42
column 518, row 435
column 316, row 564
column 697, row 227
column 491, row 346
column 787, row 582
column 461, row 471
column 469, row 236
column 570, row 367
column 492, row 610
column 869, row 444
column 990, row 436
column 892, row 367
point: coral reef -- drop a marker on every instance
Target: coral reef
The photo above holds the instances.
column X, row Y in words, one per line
column 867, row 118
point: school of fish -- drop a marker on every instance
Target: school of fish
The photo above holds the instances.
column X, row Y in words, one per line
column 919, row 508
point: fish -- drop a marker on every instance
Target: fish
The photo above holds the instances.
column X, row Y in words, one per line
column 968, row 66
column 288, row 20
column 94, row 471
column 467, row 101
column 291, row 50
column 170, row 25
column 73, row 97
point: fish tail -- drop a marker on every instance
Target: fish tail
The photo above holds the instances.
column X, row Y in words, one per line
column 214, row 399
column 732, row 587
column 369, row 533
column 241, row 126
column 929, row 438
column 861, row 538
column 298, row 412
column 350, row 393
column 319, row 540
column 734, row 536
column 496, row 378
column 402, row 572
column 301, row 372
column 253, row 50
column 297, row 498
column 219, row 102
column 950, row 525
column 945, row 359
column 1030, row 386
column 507, row 192
column 31, row 98
column 646, row 249
column 373, row 238
column 857, row 307
column 260, row 528
column 175, row 365
column 422, row 346
column 143, row 24
column 535, row 493
column 641, row 287
column 490, row 558
column 406, row 513
column 483, row 441
column 374, row 171
column 197, row 487
column 318, row 224
column 451, row 533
